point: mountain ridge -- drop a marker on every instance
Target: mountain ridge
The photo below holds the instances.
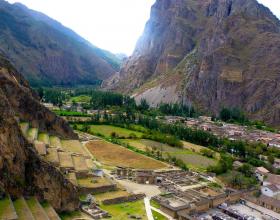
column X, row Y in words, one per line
column 208, row 54
column 48, row 53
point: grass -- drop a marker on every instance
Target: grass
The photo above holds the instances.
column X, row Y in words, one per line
column 191, row 156
column 36, row 209
column 81, row 99
column 74, row 146
column 107, row 130
column 93, row 182
column 124, row 210
column 80, row 163
column 158, row 216
column 6, row 211
column 32, row 133
column 73, row 215
column 55, row 141
column 155, row 204
column 110, row 195
column 65, row 160
column 44, row 137
column 116, row 155
column 71, row 113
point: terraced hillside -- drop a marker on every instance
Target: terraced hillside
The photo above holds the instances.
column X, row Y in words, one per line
column 26, row 209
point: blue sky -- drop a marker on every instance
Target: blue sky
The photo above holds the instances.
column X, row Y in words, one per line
column 114, row 25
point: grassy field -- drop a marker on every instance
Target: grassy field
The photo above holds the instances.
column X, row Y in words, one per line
column 93, row 182
column 110, row 195
column 44, row 137
column 115, row 155
column 191, row 156
column 107, row 130
column 81, row 99
column 124, row 210
column 158, row 216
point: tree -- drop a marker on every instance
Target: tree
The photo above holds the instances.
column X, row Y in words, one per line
column 271, row 159
column 246, row 169
column 144, row 105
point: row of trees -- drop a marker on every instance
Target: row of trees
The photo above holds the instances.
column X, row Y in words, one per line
column 246, row 151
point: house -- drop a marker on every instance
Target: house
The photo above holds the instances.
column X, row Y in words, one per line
column 271, row 179
column 260, row 173
column 271, row 191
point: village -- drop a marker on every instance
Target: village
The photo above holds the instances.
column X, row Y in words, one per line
column 178, row 194
column 231, row 131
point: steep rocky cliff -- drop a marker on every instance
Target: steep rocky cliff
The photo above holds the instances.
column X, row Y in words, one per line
column 208, row 53
column 22, row 172
column 47, row 53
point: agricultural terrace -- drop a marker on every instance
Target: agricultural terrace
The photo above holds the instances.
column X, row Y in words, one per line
column 73, row 146
column 191, row 156
column 55, row 141
column 107, row 130
column 124, row 211
column 116, row 155
column 44, row 137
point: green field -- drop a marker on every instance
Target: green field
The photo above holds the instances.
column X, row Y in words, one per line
column 107, row 130
column 158, row 216
column 125, row 210
column 192, row 158
column 81, row 99
column 71, row 113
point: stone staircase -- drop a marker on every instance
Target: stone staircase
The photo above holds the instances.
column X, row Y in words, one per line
column 26, row 209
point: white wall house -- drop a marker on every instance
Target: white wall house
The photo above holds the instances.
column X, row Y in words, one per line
column 270, row 191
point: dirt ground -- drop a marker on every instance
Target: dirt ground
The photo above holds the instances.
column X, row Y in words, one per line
column 115, row 155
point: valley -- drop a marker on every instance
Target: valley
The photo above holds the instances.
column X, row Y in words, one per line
column 185, row 128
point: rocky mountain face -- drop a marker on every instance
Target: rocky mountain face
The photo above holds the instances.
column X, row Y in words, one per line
column 22, row 171
column 47, row 53
column 210, row 54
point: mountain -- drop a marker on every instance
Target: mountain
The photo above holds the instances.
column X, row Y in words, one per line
column 22, row 170
column 47, row 53
column 209, row 54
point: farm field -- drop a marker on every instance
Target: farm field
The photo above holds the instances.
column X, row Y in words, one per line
column 124, row 210
column 115, row 155
column 81, row 99
column 107, row 130
column 190, row 156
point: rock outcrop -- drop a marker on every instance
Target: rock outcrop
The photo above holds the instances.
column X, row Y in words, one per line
column 22, row 171
column 217, row 53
